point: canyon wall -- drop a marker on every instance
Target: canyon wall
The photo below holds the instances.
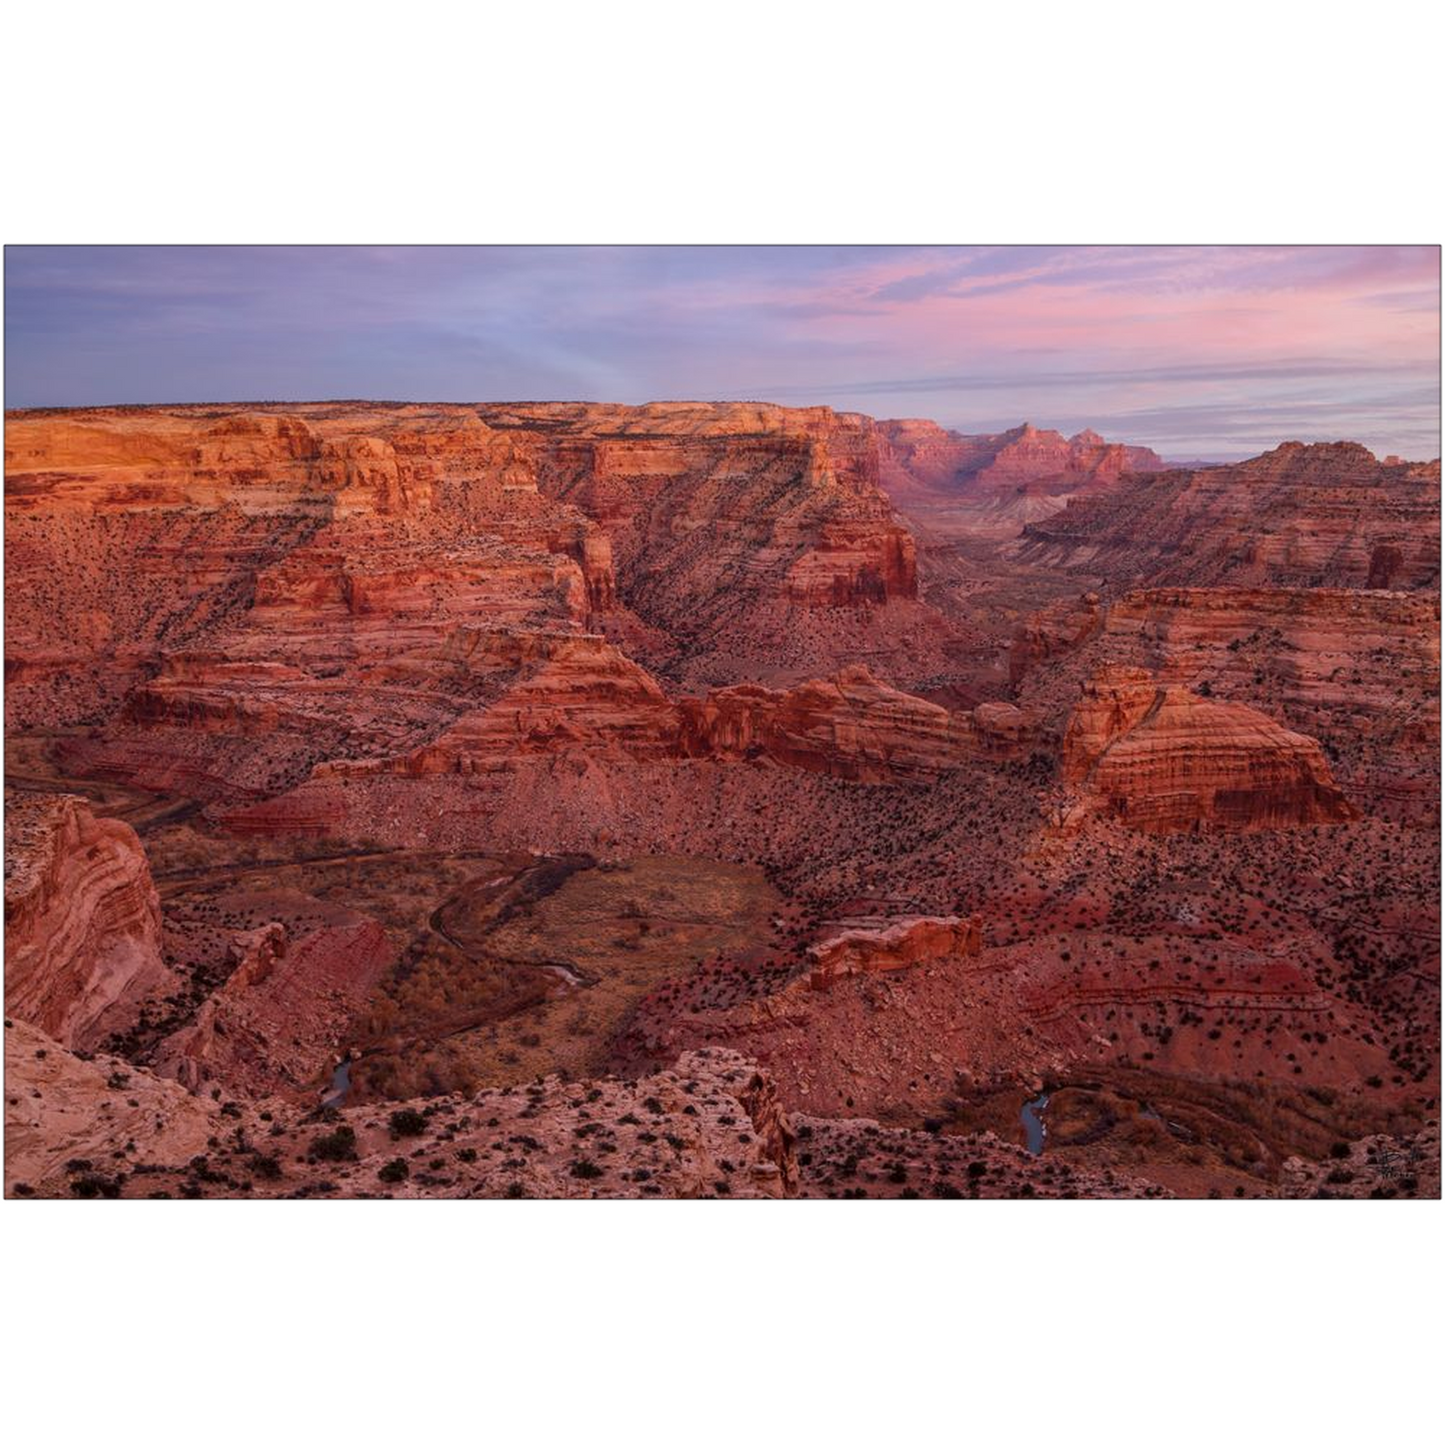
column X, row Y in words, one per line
column 1325, row 515
column 82, row 921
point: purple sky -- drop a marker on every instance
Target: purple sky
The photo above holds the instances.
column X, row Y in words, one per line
column 1196, row 351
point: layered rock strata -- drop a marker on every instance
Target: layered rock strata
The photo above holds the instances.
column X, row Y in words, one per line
column 1325, row 515
column 889, row 944
column 82, row 921
column 1163, row 760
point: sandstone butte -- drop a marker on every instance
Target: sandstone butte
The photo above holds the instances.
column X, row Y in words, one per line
column 1163, row 759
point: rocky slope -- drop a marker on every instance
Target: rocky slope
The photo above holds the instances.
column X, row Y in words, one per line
column 69, row 1119
column 573, row 721
column 82, row 921
column 710, row 1126
column 1327, row 515
column 277, row 1022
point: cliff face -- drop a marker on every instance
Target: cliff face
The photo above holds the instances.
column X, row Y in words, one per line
column 770, row 497
column 519, row 695
column 82, row 921
column 721, row 518
column 1164, row 760
column 993, row 484
column 1328, row 515
column 324, row 534
column 236, row 593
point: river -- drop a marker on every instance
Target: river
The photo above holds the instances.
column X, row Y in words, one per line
column 1031, row 1116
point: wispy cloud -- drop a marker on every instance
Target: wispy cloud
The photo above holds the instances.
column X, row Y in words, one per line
column 1243, row 339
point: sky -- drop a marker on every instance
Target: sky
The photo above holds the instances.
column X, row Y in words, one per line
column 1200, row 352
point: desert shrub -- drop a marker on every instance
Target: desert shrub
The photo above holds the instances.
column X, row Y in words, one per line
column 336, row 1146
column 407, row 1124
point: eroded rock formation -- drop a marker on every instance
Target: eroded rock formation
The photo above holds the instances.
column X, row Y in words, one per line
column 68, row 1120
column 277, row 1021
column 888, row 944
column 82, row 921
column 851, row 726
column 1163, row 759
column 1357, row 670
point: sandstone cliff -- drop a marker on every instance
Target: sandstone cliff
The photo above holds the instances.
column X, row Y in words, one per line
column 236, row 593
column 82, row 921
column 1358, row 670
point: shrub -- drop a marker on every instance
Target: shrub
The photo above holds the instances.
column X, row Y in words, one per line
column 336, row 1146
column 407, row 1124
column 394, row 1172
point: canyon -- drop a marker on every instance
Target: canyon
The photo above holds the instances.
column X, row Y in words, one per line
column 700, row 800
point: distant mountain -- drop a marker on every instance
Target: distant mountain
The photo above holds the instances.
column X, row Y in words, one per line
column 996, row 483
